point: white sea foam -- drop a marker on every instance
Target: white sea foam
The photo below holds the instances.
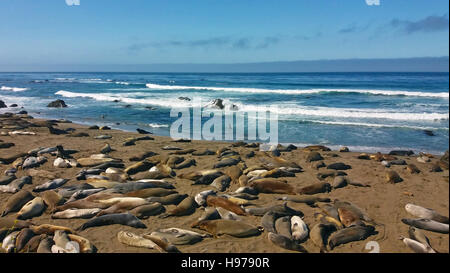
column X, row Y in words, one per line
column 300, row 91
column 13, row 89
column 358, row 124
column 156, row 125
column 281, row 109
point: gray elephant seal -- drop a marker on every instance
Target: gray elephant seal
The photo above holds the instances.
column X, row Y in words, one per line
column 50, row 185
column 186, row 207
column 285, row 242
column 417, row 235
column 309, row 200
column 17, row 201
column 427, row 224
column 131, row 239
column 177, row 238
column 31, row 209
column 125, row 219
column 350, row 234
column 171, row 199
column 45, row 245
column 23, row 237
column 283, row 226
column 425, row 213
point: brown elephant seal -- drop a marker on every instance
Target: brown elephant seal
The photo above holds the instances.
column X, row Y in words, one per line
column 131, row 239
column 123, row 204
column 234, row 172
column 163, row 243
column 348, row 218
column 85, row 245
column 52, row 199
column 319, row 235
column 412, row 169
column 315, row 188
column 45, row 245
column 171, row 199
column 186, row 207
column 145, row 211
column 393, row 177
column 178, row 236
column 309, row 200
column 33, row 244
column 328, row 221
column 150, row 192
column 125, row 219
column 23, row 237
column 8, row 225
column 243, row 180
column 221, row 182
column 141, row 166
column 215, row 201
column 285, row 242
column 229, row 227
column 17, row 201
column 350, row 234
column 50, row 229
column 272, row 186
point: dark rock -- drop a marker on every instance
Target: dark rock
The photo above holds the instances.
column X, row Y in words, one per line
column 314, row 156
column 2, row 104
column 23, row 113
column 95, row 127
column 13, row 105
column 401, row 153
column 57, row 104
column 105, row 128
column 429, row 133
column 218, row 103
column 184, row 98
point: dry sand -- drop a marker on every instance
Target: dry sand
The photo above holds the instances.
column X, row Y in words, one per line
column 382, row 201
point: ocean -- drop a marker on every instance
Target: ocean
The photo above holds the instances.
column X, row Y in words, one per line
column 364, row 111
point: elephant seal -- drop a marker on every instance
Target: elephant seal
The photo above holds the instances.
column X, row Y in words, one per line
column 80, row 194
column 171, row 199
column 45, row 245
column 427, row 224
column 141, row 166
column 17, row 201
column 354, row 209
column 9, row 243
column 221, row 182
column 215, row 201
column 150, row 192
column 23, row 237
column 228, row 215
column 163, row 243
column 176, row 237
column 417, row 235
column 350, row 234
column 204, row 177
column 283, row 226
column 120, row 205
column 412, row 169
column 309, row 200
column 285, row 242
column 393, row 177
column 299, row 229
column 50, row 229
column 328, row 220
column 16, row 185
column 348, row 218
column 272, row 186
column 209, row 214
column 126, row 219
column 416, row 246
column 31, row 209
column 61, row 239
column 131, row 239
column 229, row 227
column 200, row 198
column 85, row 245
column 186, row 207
column 319, row 235
column 145, row 211
column 425, row 213
column 234, row 172
column 76, row 213
column 269, row 219
column 10, row 225
column 52, row 199
column 5, row 180
column 339, row 182
column 50, row 185
column 316, row 188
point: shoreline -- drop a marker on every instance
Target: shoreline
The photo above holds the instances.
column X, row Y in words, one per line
column 382, row 201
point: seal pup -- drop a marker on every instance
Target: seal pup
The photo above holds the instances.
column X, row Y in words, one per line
column 131, row 239
column 285, row 242
column 348, row 218
column 125, row 219
column 215, row 201
column 145, row 211
column 186, row 207
column 16, row 202
column 233, row 228
column 427, row 224
column 31, row 209
column 425, row 213
column 299, row 229
column 350, row 234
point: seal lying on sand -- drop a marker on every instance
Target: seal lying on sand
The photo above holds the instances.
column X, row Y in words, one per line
column 17, row 201
column 286, row 243
column 427, row 224
column 126, row 219
column 350, row 234
column 229, row 227
column 425, row 213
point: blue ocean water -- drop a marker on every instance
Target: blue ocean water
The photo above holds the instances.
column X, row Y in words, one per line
column 365, row 111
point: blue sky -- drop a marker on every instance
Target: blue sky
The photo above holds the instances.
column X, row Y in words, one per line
column 218, row 31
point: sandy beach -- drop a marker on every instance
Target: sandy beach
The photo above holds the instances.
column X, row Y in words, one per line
column 382, row 201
